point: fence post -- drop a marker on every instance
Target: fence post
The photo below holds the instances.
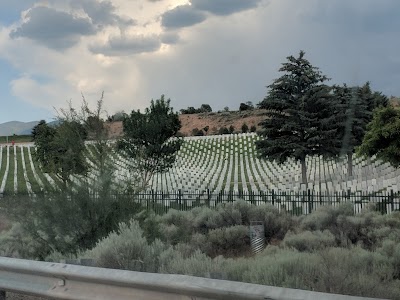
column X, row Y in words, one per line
column 310, row 204
column 273, row 197
column 208, row 197
column 179, row 197
column 392, row 200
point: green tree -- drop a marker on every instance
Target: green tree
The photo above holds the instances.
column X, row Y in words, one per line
column 60, row 150
column 300, row 115
column 231, row 129
column 356, row 105
column 383, row 136
column 205, row 108
column 245, row 128
column 150, row 139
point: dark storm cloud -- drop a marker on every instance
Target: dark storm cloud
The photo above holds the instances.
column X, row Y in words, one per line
column 369, row 16
column 182, row 16
column 53, row 28
column 102, row 13
column 124, row 46
column 224, row 7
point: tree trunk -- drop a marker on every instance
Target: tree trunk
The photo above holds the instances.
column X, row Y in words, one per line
column 303, row 171
column 350, row 164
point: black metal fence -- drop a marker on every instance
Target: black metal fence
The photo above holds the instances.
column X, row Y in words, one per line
column 295, row 203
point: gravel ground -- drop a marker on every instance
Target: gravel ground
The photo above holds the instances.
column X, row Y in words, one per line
column 13, row 296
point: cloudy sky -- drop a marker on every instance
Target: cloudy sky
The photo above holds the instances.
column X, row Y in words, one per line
column 220, row 52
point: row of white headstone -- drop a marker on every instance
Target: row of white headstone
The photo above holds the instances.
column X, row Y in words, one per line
column 230, row 162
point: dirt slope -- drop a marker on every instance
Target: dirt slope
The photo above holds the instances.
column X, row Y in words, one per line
column 213, row 120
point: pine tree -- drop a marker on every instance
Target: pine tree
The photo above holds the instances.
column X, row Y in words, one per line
column 356, row 105
column 300, row 115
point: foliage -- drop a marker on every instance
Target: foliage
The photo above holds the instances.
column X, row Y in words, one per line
column 309, row 240
column 223, row 130
column 246, row 106
column 197, row 132
column 69, row 220
column 245, row 128
column 127, row 248
column 253, row 128
column 60, row 150
column 383, row 136
column 204, row 108
column 355, row 112
column 300, row 114
column 149, row 139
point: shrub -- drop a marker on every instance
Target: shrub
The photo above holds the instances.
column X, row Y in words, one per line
column 127, row 249
column 276, row 224
column 197, row 264
column 176, row 226
column 205, row 218
column 229, row 241
column 18, row 243
column 245, row 128
column 309, row 240
column 253, row 128
column 229, row 215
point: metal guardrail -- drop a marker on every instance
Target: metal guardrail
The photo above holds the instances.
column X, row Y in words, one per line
column 63, row 281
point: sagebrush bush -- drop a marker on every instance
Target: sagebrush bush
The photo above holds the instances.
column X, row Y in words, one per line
column 228, row 241
column 197, row 264
column 127, row 249
column 229, row 215
column 176, row 226
column 276, row 224
column 309, row 240
column 205, row 219
column 18, row 243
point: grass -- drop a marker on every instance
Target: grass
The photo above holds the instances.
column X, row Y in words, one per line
column 16, row 138
column 9, row 188
column 34, row 184
column 21, row 182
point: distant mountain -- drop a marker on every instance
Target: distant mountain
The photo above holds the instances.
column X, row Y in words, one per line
column 16, row 127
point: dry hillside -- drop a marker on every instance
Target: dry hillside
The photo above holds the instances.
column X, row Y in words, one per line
column 213, row 120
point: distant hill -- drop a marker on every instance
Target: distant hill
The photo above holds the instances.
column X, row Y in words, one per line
column 17, row 128
column 20, row 128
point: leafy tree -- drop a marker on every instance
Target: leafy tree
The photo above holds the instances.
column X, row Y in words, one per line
column 245, row 128
column 223, row 130
column 356, row 105
column 197, row 132
column 244, row 106
column 149, row 139
column 70, row 220
column 205, row 108
column 226, row 108
column 300, row 115
column 206, row 129
column 383, row 136
column 253, row 128
column 231, row 129
column 43, row 135
column 60, row 150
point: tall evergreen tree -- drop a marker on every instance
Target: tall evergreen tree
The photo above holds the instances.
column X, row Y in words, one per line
column 356, row 105
column 301, row 113
column 383, row 136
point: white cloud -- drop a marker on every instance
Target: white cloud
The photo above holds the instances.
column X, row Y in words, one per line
column 224, row 60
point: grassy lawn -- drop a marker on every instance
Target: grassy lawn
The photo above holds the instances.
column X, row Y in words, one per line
column 16, row 138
